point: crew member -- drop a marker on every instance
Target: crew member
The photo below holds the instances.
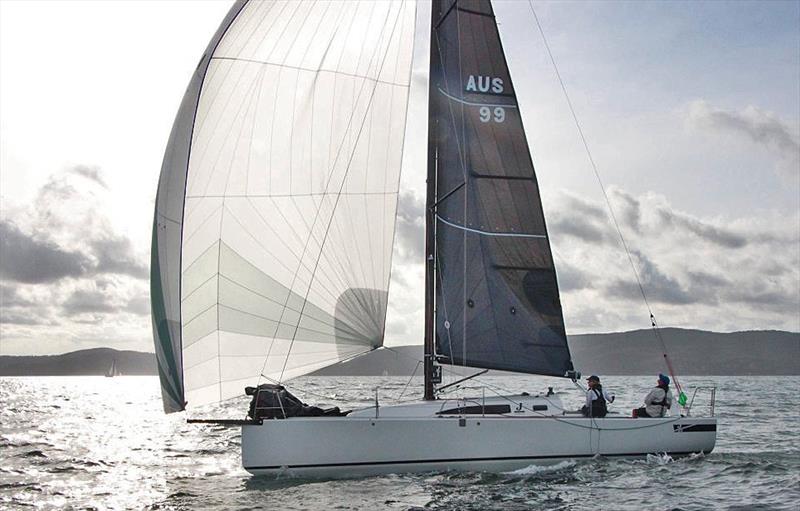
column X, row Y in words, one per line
column 658, row 401
column 596, row 398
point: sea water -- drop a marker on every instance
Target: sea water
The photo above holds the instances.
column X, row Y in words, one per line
column 104, row 443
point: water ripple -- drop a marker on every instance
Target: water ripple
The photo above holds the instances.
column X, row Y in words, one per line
column 113, row 448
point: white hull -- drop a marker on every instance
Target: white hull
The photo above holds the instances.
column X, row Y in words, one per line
column 395, row 441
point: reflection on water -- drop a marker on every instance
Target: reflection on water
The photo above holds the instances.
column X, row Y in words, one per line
column 94, row 442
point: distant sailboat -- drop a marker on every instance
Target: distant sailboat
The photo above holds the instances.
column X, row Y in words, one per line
column 273, row 236
column 113, row 370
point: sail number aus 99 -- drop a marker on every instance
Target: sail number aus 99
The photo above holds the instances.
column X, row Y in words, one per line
column 489, row 85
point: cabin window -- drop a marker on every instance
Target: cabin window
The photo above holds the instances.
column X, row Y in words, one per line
column 477, row 410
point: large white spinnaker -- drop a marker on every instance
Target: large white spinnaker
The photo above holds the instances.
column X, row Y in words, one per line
column 278, row 196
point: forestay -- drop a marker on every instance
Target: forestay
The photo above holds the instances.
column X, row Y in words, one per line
column 278, row 196
column 497, row 300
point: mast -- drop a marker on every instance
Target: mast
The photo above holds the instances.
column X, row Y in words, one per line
column 430, row 219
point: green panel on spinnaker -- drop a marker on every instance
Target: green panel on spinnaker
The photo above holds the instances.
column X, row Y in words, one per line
column 166, row 357
column 167, row 243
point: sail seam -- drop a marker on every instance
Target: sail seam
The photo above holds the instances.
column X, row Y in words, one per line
column 315, row 71
column 488, row 233
column 233, row 19
column 474, row 103
column 286, row 195
column 369, row 106
column 310, row 228
column 292, row 324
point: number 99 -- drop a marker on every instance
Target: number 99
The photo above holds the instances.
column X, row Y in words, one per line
column 486, row 114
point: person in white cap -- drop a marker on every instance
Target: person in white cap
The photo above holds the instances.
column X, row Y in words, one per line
column 597, row 398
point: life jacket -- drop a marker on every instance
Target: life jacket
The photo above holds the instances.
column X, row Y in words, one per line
column 599, row 407
column 663, row 403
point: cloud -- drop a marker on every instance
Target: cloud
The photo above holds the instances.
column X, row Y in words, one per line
column 139, row 305
column 580, row 218
column 85, row 301
column 708, row 232
column 105, row 296
column 30, row 259
column 627, row 207
column 10, row 297
column 696, row 271
column 410, row 238
column 758, row 126
column 571, row 278
column 115, row 254
column 707, row 280
column 92, row 173
column 22, row 317
column 68, row 276
column 68, row 234
column 658, row 286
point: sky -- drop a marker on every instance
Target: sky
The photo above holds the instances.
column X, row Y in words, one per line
column 691, row 111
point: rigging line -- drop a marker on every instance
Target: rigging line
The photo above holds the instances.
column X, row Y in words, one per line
column 444, row 301
column 243, row 112
column 213, row 105
column 409, row 380
column 212, row 77
column 327, row 185
column 463, row 148
column 276, row 93
column 591, row 158
column 336, row 359
column 497, row 390
column 354, row 269
column 300, row 260
column 311, row 236
column 605, row 194
column 347, row 168
column 292, row 124
column 402, row 156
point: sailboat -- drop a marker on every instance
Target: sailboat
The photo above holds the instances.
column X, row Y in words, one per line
column 113, row 370
column 273, row 235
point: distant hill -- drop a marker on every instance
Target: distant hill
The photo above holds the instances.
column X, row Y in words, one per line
column 693, row 352
column 94, row 361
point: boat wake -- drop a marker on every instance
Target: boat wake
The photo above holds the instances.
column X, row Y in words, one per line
column 541, row 469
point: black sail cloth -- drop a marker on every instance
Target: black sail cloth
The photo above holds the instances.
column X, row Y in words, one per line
column 497, row 301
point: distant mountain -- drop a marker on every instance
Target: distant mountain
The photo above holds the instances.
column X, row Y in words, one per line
column 94, row 361
column 693, row 352
column 394, row 361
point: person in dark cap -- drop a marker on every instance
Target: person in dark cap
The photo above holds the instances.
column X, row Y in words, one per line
column 597, row 398
column 658, row 401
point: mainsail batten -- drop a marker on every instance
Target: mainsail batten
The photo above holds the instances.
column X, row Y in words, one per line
column 497, row 302
column 287, row 207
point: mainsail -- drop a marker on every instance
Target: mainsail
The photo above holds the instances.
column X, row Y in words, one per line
column 497, row 300
column 276, row 206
